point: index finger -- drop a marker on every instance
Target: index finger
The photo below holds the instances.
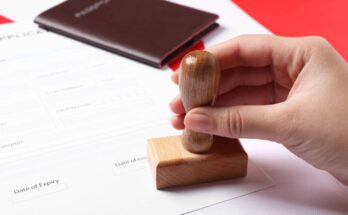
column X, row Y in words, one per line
column 246, row 50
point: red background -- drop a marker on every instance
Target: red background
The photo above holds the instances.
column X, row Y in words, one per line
column 327, row 18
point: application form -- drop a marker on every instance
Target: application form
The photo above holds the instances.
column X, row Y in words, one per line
column 74, row 121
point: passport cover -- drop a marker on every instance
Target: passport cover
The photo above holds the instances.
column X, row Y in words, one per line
column 149, row 31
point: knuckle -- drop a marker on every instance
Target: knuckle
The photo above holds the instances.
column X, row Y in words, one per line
column 319, row 43
column 235, row 123
column 319, row 40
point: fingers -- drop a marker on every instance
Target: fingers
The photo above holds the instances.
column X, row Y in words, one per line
column 262, row 122
column 240, row 76
column 245, row 95
column 258, row 51
column 285, row 55
column 253, row 95
column 178, row 122
column 257, row 95
column 244, row 76
column 175, row 77
column 177, row 106
column 246, row 50
column 256, row 70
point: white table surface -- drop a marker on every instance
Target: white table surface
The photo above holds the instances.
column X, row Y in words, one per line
column 300, row 188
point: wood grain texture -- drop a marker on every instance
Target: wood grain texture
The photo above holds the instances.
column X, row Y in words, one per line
column 199, row 78
column 172, row 165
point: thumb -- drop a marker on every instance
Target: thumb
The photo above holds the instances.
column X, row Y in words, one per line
column 267, row 122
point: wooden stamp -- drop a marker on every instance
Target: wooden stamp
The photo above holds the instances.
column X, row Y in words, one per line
column 195, row 157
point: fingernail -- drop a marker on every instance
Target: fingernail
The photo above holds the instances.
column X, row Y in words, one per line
column 198, row 122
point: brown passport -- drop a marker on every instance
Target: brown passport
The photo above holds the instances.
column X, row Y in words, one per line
column 150, row 31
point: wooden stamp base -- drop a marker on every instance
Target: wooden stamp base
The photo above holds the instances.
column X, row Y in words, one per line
column 172, row 165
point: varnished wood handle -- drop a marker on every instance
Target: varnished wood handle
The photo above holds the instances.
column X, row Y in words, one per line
column 198, row 82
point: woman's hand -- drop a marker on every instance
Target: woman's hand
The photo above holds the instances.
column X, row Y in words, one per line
column 289, row 90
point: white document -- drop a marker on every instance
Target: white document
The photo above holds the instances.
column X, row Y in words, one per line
column 74, row 121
